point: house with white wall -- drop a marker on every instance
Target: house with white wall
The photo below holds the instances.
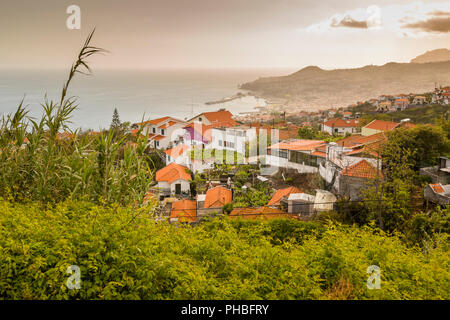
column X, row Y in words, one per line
column 173, row 180
column 163, row 132
column 340, row 126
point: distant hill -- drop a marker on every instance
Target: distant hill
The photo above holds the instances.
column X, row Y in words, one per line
column 318, row 88
column 437, row 55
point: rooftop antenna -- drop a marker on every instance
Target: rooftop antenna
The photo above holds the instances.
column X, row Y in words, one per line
column 192, row 107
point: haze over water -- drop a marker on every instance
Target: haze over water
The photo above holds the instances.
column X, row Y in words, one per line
column 155, row 93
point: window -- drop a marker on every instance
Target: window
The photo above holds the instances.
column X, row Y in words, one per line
column 220, row 143
column 156, row 143
column 200, row 119
column 154, row 130
column 162, row 131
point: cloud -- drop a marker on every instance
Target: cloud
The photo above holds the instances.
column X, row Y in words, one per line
column 439, row 13
column 349, row 22
column 432, row 25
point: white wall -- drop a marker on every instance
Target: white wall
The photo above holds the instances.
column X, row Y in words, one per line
column 235, row 139
column 340, row 130
column 185, row 186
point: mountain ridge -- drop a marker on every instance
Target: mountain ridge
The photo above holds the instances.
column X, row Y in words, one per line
column 313, row 87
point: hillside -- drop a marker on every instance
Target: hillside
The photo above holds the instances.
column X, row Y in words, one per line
column 437, row 55
column 318, row 88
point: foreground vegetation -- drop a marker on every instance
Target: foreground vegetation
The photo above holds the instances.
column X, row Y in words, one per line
column 123, row 254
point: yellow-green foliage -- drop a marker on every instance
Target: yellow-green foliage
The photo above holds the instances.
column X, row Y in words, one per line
column 123, row 254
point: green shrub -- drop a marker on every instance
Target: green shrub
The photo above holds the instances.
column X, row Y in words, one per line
column 124, row 254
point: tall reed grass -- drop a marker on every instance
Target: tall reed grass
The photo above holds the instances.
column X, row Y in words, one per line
column 43, row 160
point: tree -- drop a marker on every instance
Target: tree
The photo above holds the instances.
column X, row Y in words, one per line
column 423, row 145
column 307, row 133
column 115, row 124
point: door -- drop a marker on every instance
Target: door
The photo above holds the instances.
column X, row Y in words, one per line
column 178, row 188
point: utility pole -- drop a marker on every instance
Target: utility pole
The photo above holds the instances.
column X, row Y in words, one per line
column 380, row 218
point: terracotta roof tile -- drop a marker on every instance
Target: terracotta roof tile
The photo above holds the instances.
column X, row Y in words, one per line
column 437, row 187
column 177, row 151
column 381, row 125
column 282, row 193
column 218, row 197
column 361, row 169
column 184, row 211
column 173, row 172
column 340, row 123
column 298, row 145
column 222, row 118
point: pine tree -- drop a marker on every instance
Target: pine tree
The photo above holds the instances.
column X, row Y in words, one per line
column 115, row 124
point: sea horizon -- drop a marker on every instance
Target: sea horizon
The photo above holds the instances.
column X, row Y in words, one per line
column 137, row 94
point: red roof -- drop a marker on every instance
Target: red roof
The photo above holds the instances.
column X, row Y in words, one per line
column 437, row 187
column 173, row 172
column 298, row 145
column 218, row 197
column 157, row 137
column 381, row 125
column 358, row 140
column 222, row 118
column 334, row 123
column 177, row 151
column 361, row 169
column 282, row 193
column 184, row 210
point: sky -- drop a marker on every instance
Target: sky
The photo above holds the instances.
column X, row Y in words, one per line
column 159, row 34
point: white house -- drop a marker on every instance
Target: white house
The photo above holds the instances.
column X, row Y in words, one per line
column 163, row 132
column 173, row 179
column 340, row 126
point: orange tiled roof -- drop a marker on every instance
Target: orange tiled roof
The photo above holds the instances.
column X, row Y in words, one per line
column 298, row 145
column 341, row 123
column 177, row 151
column 218, row 197
column 437, row 187
column 282, row 193
column 258, row 213
column 173, row 172
column 221, row 118
column 158, row 137
column 381, row 125
column 361, row 169
column 358, row 140
column 184, row 210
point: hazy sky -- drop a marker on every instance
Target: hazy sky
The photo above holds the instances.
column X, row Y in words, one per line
column 223, row 33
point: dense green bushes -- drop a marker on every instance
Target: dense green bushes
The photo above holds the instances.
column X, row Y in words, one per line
column 125, row 255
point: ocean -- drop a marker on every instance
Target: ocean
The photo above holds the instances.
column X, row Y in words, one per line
column 135, row 94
